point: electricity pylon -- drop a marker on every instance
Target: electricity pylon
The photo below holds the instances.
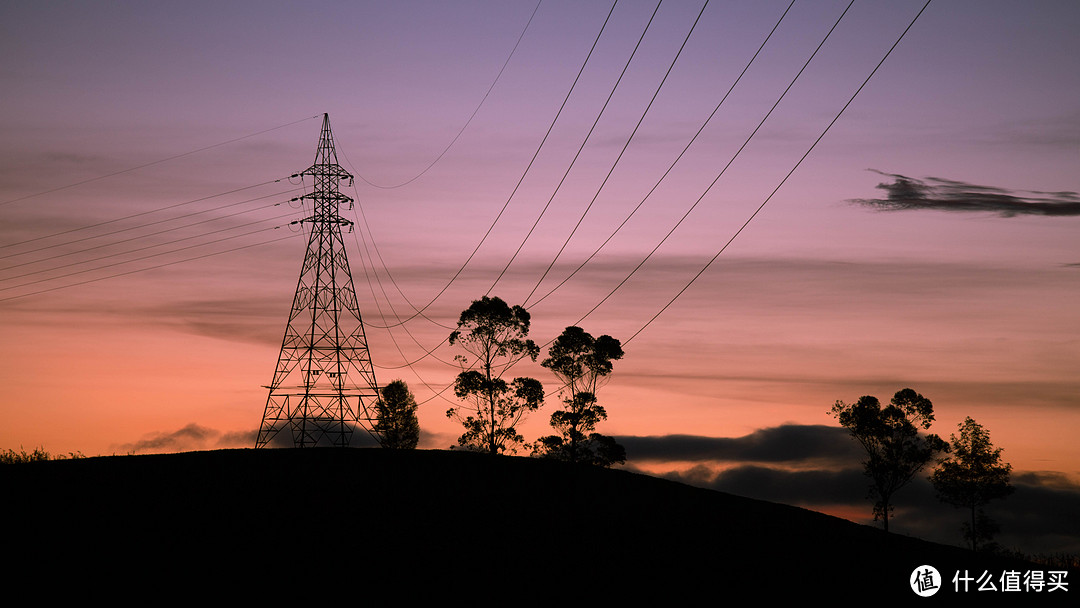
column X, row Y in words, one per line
column 324, row 383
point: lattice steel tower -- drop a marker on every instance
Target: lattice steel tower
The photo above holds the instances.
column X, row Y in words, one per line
column 324, row 383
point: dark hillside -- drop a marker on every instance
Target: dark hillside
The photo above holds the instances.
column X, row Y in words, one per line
column 277, row 517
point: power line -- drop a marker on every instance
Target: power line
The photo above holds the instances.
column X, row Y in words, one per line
column 130, row 251
column 783, row 181
column 588, row 135
column 655, row 186
column 390, row 333
column 130, row 228
column 367, row 260
column 471, row 116
column 375, row 245
column 133, row 215
column 656, row 93
column 137, row 270
column 522, row 179
column 724, row 169
column 566, row 173
column 156, row 162
column 131, row 261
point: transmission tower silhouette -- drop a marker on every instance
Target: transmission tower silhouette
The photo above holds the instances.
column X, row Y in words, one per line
column 324, row 384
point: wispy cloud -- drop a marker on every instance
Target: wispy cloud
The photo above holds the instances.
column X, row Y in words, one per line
column 190, row 437
column 197, row 437
column 909, row 193
column 247, row 319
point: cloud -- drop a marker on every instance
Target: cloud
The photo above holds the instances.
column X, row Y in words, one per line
column 786, row 443
column 812, row 466
column 190, row 437
column 437, row 441
column 247, row 319
column 1038, row 518
column 360, row 437
column 906, row 193
column 1058, row 131
column 810, row 487
column 196, row 437
column 819, row 467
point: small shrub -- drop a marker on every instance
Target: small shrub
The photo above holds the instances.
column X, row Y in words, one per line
column 39, row 454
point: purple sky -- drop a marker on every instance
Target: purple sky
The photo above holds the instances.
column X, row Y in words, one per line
column 968, row 294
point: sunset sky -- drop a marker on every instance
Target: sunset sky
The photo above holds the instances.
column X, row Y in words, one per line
column 930, row 240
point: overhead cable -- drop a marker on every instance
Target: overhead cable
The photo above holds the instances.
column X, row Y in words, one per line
column 467, row 122
column 797, row 164
column 156, row 162
column 654, row 187
column 588, row 135
column 519, row 182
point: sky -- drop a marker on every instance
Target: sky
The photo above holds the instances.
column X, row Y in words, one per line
column 927, row 240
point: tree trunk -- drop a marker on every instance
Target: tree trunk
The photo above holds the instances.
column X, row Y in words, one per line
column 492, row 447
column 974, row 532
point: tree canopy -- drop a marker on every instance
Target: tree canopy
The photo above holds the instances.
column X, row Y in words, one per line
column 972, row 476
column 496, row 335
column 895, row 450
column 581, row 363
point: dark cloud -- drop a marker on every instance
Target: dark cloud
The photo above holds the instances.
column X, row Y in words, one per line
column 1044, row 503
column 360, row 437
column 1047, row 479
column 785, row 443
column 809, row 487
column 1038, row 518
column 190, row 437
column 195, row 437
column 905, row 193
column 820, row 468
column 812, row 466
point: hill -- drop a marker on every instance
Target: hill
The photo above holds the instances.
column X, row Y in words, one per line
column 463, row 522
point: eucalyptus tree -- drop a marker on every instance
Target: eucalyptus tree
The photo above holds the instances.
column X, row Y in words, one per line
column 495, row 336
column 581, row 363
column 890, row 435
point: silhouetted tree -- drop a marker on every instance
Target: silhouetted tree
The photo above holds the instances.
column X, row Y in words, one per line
column 496, row 336
column 972, row 476
column 581, row 363
column 396, row 424
column 895, row 450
